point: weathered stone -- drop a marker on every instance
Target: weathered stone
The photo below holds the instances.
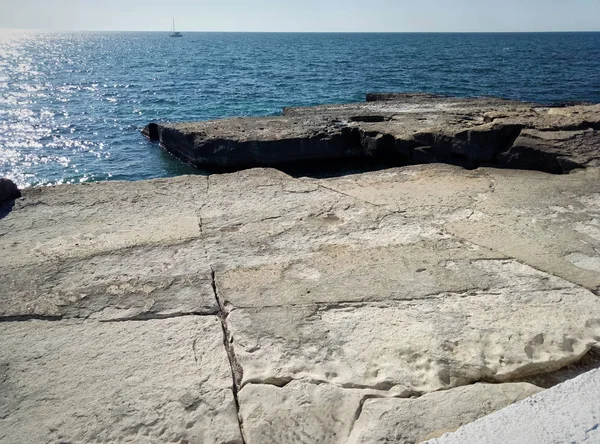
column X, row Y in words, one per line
column 550, row 226
column 399, row 128
column 553, row 151
column 154, row 381
column 411, row 421
column 245, row 142
column 300, row 412
column 302, row 240
column 383, row 284
column 569, row 412
column 282, row 240
column 100, row 251
column 314, row 413
column 8, row 190
column 499, row 334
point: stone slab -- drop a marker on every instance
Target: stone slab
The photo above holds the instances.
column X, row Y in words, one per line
column 61, row 222
column 109, row 250
column 305, row 412
column 300, row 412
column 152, row 381
column 554, row 226
column 404, row 128
column 547, row 221
column 506, row 332
column 394, row 283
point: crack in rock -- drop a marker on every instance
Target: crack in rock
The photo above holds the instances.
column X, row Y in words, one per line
column 236, row 368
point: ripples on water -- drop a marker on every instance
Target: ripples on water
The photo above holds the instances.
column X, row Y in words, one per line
column 72, row 104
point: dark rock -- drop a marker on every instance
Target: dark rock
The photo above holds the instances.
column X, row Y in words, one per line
column 555, row 152
column 368, row 119
column 399, row 129
column 151, row 131
column 8, row 190
column 383, row 97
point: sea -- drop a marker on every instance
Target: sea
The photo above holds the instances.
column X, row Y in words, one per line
column 72, row 104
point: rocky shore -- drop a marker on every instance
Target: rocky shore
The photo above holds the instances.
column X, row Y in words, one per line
column 255, row 307
column 399, row 129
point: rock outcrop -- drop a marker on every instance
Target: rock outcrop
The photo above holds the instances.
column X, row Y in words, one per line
column 8, row 190
column 397, row 129
column 256, row 307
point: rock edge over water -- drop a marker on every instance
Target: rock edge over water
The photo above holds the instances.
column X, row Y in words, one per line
column 397, row 129
column 8, row 190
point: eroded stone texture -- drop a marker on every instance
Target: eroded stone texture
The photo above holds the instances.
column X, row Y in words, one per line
column 305, row 241
column 539, row 219
column 308, row 412
column 383, row 284
column 446, row 341
column 365, row 282
column 553, row 226
column 110, row 250
column 409, row 421
column 154, row 381
column 300, row 412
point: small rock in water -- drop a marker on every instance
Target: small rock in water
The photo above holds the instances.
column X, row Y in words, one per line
column 8, row 190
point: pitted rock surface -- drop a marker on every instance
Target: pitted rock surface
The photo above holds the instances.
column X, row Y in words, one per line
column 322, row 305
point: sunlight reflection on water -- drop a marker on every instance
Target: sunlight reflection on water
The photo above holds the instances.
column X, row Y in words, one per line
column 72, row 104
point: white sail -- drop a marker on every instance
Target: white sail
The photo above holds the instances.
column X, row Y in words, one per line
column 173, row 32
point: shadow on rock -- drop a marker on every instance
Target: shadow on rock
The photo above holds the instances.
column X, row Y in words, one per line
column 590, row 361
column 6, row 207
column 339, row 167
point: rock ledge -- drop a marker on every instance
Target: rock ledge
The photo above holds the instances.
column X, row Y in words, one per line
column 398, row 129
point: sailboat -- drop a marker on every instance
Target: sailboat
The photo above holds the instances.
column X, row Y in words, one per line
column 173, row 32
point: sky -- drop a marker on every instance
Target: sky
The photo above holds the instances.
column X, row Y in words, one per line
column 303, row 15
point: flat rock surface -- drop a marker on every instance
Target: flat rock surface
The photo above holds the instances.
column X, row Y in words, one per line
column 107, row 250
column 569, row 412
column 300, row 412
column 446, row 341
column 153, row 381
column 341, row 292
column 308, row 412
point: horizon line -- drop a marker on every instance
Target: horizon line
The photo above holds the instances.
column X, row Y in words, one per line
column 304, row 32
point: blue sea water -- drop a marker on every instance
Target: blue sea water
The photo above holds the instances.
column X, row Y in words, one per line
column 72, row 104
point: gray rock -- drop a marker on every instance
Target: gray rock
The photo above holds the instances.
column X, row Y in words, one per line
column 398, row 128
column 154, row 381
column 300, row 412
column 108, row 251
column 387, row 284
column 303, row 411
column 8, row 190
column 420, row 346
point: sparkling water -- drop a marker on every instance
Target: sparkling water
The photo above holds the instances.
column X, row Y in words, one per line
column 72, row 104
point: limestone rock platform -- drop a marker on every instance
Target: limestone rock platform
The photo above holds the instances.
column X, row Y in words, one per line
column 398, row 129
column 256, row 307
